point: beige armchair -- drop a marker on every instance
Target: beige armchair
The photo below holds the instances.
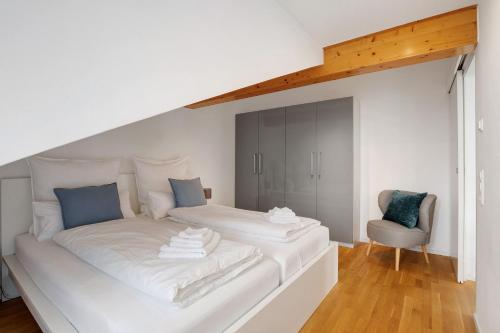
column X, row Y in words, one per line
column 395, row 235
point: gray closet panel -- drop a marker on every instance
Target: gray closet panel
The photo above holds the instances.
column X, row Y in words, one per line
column 301, row 157
column 271, row 159
column 335, row 167
column 247, row 147
column 300, row 194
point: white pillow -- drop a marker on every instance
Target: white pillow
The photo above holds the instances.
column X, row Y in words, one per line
column 127, row 211
column 159, row 203
column 47, row 219
column 50, row 173
column 153, row 175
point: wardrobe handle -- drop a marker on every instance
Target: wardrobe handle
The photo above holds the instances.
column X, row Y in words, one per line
column 254, row 163
column 312, row 165
column 319, row 165
column 260, row 164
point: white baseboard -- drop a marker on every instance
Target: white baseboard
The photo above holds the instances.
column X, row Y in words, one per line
column 470, row 277
column 350, row 245
column 476, row 323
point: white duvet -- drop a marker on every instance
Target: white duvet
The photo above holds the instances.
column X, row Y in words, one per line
column 128, row 251
column 240, row 221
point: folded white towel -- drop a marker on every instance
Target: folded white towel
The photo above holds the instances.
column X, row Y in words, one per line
column 181, row 243
column 177, row 241
column 282, row 216
column 281, row 212
column 187, row 255
column 283, row 220
column 175, row 252
column 191, row 233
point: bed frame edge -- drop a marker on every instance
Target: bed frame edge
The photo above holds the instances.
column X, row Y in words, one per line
column 288, row 307
column 48, row 317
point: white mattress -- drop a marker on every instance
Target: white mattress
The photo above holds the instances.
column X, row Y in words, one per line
column 95, row 302
column 291, row 256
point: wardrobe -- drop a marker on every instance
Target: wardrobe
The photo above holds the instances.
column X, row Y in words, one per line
column 301, row 157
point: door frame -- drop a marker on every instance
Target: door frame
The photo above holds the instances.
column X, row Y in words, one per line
column 466, row 171
column 459, row 81
column 469, row 239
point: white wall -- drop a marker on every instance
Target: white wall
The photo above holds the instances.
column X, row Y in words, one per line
column 488, row 159
column 71, row 69
column 405, row 135
column 207, row 136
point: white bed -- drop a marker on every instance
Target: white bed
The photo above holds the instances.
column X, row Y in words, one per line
column 68, row 295
column 95, row 302
column 291, row 256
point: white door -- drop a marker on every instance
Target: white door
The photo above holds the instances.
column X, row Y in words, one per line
column 457, row 174
column 469, row 229
column 463, row 182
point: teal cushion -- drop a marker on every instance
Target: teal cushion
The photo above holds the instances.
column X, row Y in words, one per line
column 188, row 192
column 404, row 208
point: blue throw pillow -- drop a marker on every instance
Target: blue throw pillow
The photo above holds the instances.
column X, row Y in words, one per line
column 188, row 192
column 404, row 208
column 88, row 205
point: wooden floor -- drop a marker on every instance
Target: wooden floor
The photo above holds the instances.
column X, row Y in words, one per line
column 372, row 297
column 15, row 317
column 369, row 297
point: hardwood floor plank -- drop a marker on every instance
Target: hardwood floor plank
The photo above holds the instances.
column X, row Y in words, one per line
column 16, row 318
column 372, row 297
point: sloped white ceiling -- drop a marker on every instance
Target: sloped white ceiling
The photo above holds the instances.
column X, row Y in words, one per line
column 334, row 21
column 72, row 69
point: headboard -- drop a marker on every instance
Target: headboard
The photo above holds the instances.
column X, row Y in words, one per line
column 16, row 214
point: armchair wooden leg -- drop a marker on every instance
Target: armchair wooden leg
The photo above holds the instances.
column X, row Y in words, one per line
column 424, row 250
column 369, row 247
column 398, row 251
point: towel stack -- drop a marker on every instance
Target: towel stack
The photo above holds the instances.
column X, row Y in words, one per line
column 191, row 243
column 282, row 215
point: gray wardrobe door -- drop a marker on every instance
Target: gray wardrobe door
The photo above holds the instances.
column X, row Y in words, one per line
column 300, row 185
column 271, row 162
column 335, row 168
column 247, row 147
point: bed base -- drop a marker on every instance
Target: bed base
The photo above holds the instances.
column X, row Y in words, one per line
column 46, row 314
column 285, row 309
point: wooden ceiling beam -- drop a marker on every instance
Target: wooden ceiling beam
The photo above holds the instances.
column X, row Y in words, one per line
column 433, row 38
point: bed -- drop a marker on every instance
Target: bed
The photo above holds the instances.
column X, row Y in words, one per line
column 66, row 303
